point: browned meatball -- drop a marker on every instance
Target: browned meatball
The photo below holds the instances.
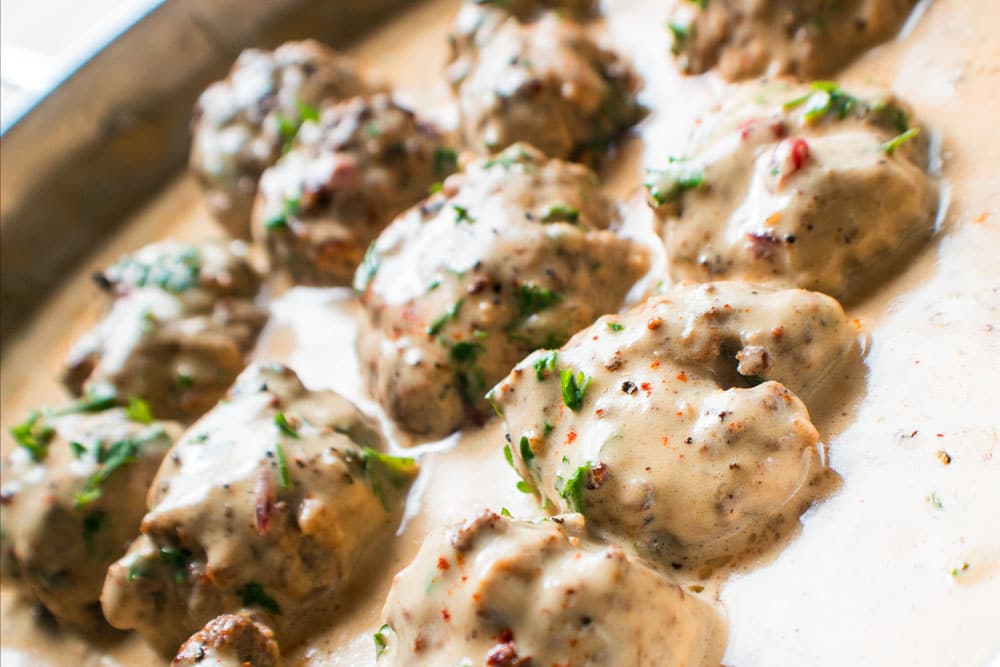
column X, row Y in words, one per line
column 516, row 253
column 811, row 187
column 807, row 38
column 230, row 640
column 547, row 84
column 274, row 501
column 361, row 163
column 242, row 124
column 73, row 496
column 178, row 332
column 673, row 427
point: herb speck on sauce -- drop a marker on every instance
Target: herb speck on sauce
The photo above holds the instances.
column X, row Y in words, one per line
column 574, row 388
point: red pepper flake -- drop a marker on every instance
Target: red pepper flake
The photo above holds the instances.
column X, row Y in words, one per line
column 682, row 376
column 646, row 387
column 799, row 153
column 655, row 364
column 570, row 437
column 982, row 217
column 445, row 614
column 666, row 441
column 944, row 456
column 654, row 323
column 443, row 564
column 778, row 332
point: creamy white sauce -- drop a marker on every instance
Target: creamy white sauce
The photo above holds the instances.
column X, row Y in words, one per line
column 868, row 580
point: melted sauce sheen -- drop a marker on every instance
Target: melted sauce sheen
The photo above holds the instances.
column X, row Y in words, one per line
column 878, row 573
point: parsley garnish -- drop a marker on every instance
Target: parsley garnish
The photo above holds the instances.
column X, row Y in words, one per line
column 367, row 270
column 92, row 523
column 445, row 161
column 681, row 34
column 544, row 364
column 436, row 325
column 462, row 214
column 138, row 411
column 385, row 469
column 177, row 560
column 289, row 208
column 574, row 387
column 254, row 596
column 510, row 157
column 307, row 111
column 667, row 185
column 532, row 299
column 279, row 454
column 281, row 421
column 615, row 326
column 465, row 351
column 380, row 642
column 890, row 146
column 77, row 449
column 119, row 455
column 561, row 213
column 34, row 435
column 174, row 271
column 525, row 446
column 96, row 399
column 572, row 491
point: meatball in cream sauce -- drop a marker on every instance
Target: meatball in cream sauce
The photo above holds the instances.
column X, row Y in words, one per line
column 275, row 502
column 515, row 253
column 230, row 640
column 497, row 591
column 674, row 427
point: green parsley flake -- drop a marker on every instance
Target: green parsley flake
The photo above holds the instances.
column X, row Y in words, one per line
column 34, row 435
column 890, row 146
column 525, row 446
column 445, row 161
column 435, row 327
column 532, row 299
column 615, row 326
column 96, row 399
column 119, row 455
column 572, row 490
column 254, row 596
column 279, row 454
column 367, row 270
column 290, row 207
column 138, row 411
column 545, row 364
column 385, row 470
column 462, row 214
column 380, row 641
column 574, row 388
column 667, row 185
column 281, row 421
column 561, row 213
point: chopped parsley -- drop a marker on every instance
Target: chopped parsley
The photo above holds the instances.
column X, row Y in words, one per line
column 826, row 97
column 92, row 524
column 525, row 446
column 380, row 642
column 462, row 214
column 667, row 185
column 120, row 454
column 290, row 207
column 572, row 490
column 176, row 560
column 574, row 388
column 545, row 364
column 307, row 111
column 368, row 268
column 890, row 146
column 510, row 157
column 254, row 596
column 185, row 380
column 34, row 435
column 435, row 327
column 96, row 399
column 465, row 351
column 386, row 470
column 279, row 454
column 174, row 271
column 615, row 326
column 532, row 299
column 506, row 512
column 281, row 421
column 445, row 161
column 77, row 449
column 681, row 32
column 561, row 213
column 547, row 429
column 138, row 411
column 508, row 456
column 934, row 501
column 524, row 487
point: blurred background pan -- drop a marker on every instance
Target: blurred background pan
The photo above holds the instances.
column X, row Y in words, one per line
column 115, row 130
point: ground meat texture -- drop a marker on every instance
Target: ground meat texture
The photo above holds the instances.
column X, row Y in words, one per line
column 73, row 496
column 178, row 331
column 242, row 124
column 348, row 174
column 516, row 253
column 274, row 501
column 814, row 187
column 478, row 22
column 674, row 427
column 548, row 84
column 498, row 591
column 806, row 38
column 230, row 640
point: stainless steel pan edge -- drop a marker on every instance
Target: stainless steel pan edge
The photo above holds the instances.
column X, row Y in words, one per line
column 103, row 142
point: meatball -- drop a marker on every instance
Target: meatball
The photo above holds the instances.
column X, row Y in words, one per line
column 548, row 84
column 806, row 38
column 477, row 22
column 73, row 496
column 516, row 253
column 272, row 502
column 673, row 427
column 242, row 124
column 496, row 591
column 178, row 331
column 347, row 176
column 230, row 640
column 814, row 188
